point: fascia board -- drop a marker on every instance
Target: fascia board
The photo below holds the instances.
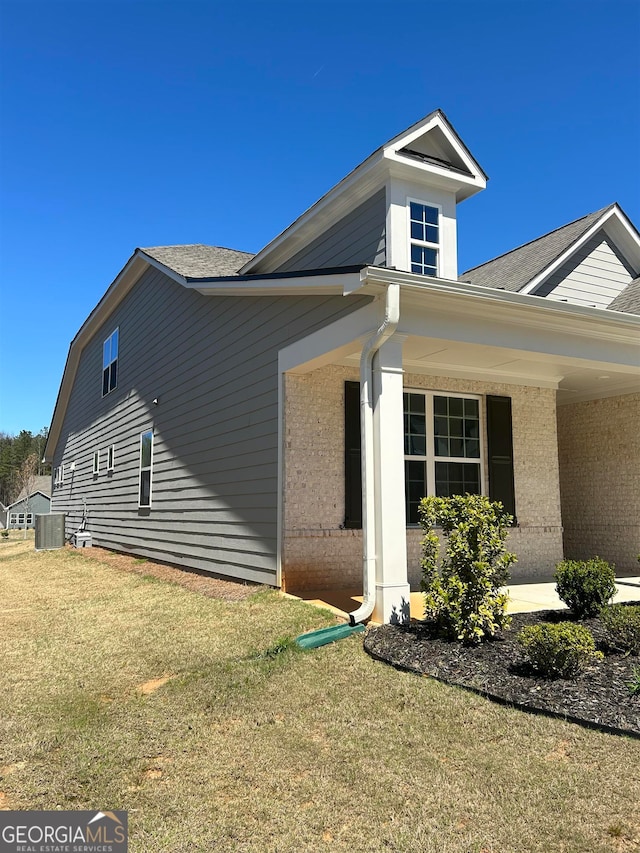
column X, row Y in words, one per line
column 180, row 279
column 463, row 185
column 437, row 118
column 32, row 495
column 614, row 214
column 530, row 311
column 333, row 205
column 116, row 292
column 296, row 285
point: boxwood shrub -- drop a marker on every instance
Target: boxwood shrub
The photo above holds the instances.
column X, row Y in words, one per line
column 622, row 622
column 585, row 586
column 558, row 650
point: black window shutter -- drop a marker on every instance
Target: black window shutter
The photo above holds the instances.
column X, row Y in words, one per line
column 352, row 457
column 500, row 451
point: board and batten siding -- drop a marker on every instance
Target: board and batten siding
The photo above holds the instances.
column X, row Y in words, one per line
column 211, row 364
column 357, row 238
column 594, row 276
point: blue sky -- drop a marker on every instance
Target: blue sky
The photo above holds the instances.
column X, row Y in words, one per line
column 131, row 124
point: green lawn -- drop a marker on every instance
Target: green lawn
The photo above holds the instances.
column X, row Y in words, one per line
column 247, row 749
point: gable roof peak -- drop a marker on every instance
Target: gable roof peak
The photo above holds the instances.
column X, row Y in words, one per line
column 516, row 269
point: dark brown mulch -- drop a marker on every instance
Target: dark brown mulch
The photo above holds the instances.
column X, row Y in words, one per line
column 496, row 668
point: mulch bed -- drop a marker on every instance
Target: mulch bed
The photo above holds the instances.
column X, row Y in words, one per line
column 202, row 582
column 599, row 697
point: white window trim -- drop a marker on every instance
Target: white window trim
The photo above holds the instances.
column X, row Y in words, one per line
column 425, row 244
column 148, row 468
column 14, row 518
column 111, row 457
column 58, row 475
column 430, row 458
column 96, row 462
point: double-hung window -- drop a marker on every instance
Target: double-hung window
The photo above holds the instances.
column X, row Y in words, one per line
column 110, row 363
column 424, row 243
column 146, row 459
column 442, row 446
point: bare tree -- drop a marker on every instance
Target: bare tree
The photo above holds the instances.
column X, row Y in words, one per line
column 25, row 479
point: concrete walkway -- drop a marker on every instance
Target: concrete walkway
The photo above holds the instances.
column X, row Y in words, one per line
column 524, row 598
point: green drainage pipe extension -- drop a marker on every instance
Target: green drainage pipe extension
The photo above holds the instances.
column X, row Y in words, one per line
column 327, row 635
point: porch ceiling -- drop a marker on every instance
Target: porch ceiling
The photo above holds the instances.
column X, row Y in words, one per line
column 575, row 379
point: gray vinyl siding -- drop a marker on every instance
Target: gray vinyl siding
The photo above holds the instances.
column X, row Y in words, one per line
column 593, row 276
column 38, row 505
column 358, row 238
column 211, row 362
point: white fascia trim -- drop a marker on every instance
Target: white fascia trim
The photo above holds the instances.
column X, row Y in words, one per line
column 615, row 212
column 341, row 191
column 539, row 311
column 31, row 495
column 423, row 126
column 116, row 292
column 162, row 267
column 298, row 285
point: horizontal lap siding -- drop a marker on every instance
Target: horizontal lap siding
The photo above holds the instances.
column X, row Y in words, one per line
column 358, row 238
column 211, row 362
column 594, row 276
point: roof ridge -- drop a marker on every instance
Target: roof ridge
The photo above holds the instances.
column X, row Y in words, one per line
column 595, row 213
column 193, row 246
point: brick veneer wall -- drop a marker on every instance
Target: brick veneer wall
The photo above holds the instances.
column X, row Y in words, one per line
column 318, row 553
column 599, row 454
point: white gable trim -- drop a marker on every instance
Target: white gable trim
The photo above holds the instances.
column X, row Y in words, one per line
column 614, row 215
column 366, row 179
column 23, row 500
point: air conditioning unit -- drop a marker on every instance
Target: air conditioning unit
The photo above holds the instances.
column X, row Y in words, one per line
column 50, row 531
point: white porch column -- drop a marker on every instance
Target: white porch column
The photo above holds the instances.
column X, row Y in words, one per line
column 392, row 587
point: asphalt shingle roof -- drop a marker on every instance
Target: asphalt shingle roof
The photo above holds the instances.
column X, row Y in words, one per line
column 198, row 260
column 515, row 269
column 629, row 300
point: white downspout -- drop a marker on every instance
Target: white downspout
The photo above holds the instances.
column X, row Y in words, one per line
column 386, row 330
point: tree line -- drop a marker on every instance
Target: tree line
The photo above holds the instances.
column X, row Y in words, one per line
column 15, row 450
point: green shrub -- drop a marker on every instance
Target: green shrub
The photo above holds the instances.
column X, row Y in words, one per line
column 4, row 533
column 622, row 622
column 463, row 598
column 634, row 684
column 585, row 586
column 558, row 650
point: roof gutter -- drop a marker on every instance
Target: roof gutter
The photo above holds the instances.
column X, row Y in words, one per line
column 386, row 331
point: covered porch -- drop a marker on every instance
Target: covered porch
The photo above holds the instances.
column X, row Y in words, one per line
column 553, row 363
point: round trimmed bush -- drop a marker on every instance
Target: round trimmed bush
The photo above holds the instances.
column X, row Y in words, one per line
column 622, row 622
column 585, row 586
column 558, row 650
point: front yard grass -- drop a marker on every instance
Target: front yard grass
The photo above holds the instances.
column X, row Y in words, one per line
column 121, row 691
